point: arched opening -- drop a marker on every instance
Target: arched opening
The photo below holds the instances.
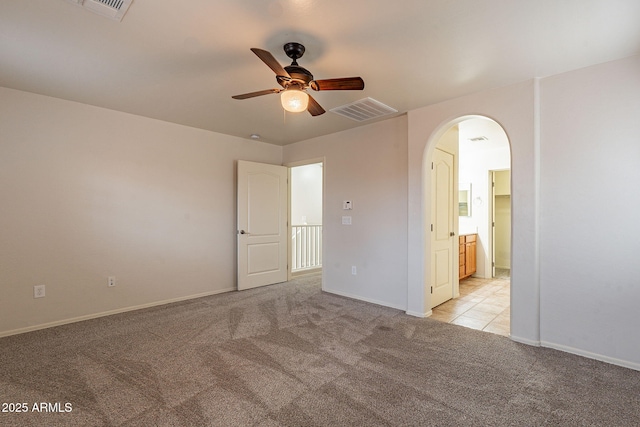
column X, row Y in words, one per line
column 468, row 239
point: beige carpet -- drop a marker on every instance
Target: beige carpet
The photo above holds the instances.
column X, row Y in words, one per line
column 290, row 355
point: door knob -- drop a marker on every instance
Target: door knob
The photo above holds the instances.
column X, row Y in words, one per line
column 243, row 232
column 452, row 234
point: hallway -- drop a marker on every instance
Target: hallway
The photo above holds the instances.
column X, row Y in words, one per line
column 483, row 304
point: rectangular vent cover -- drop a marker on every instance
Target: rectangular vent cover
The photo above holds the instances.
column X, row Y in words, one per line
column 364, row 109
column 113, row 9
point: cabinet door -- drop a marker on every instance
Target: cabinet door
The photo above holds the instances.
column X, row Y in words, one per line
column 470, row 258
column 461, row 258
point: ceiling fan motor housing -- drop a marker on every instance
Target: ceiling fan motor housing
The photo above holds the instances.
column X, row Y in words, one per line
column 300, row 76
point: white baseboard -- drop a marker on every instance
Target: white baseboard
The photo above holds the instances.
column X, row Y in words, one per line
column 109, row 313
column 579, row 352
column 418, row 314
column 359, row 298
column 526, row 341
column 596, row 356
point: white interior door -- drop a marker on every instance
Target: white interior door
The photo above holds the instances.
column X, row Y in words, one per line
column 262, row 224
column 442, row 234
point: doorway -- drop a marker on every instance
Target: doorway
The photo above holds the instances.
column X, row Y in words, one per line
column 305, row 218
column 279, row 224
column 481, row 147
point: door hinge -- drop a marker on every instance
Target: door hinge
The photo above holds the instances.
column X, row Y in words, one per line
column 431, row 165
column 493, row 264
column 432, row 289
column 431, row 227
column 493, row 224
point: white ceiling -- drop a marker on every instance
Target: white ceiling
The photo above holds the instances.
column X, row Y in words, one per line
column 494, row 135
column 181, row 61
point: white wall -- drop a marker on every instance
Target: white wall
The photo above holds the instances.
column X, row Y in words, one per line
column 366, row 165
column 590, row 171
column 306, row 194
column 575, row 163
column 88, row 193
column 514, row 109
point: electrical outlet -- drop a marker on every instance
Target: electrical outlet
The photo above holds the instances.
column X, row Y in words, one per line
column 38, row 291
column 353, row 270
column 111, row 281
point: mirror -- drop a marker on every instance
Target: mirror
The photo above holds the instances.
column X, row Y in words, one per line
column 464, row 200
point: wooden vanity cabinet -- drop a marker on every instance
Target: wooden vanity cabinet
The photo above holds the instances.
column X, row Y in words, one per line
column 467, row 255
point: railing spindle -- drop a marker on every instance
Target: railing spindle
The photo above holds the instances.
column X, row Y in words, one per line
column 306, row 247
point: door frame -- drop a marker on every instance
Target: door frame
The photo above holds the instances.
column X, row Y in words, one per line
column 492, row 228
column 492, row 222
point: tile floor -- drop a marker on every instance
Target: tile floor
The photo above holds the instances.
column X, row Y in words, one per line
column 483, row 304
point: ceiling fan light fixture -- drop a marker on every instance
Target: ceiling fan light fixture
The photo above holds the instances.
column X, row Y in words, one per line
column 295, row 80
column 294, row 100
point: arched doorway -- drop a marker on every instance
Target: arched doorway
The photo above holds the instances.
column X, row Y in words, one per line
column 515, row 108
column 461, row 244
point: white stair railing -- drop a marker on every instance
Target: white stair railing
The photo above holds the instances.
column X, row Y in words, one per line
column 306, row 247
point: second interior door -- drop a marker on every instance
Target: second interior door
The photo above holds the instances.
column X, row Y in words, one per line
column 442, row 233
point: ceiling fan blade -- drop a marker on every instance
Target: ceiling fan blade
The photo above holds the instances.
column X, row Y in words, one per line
column 254, row 94
column 314, row 108
column 344, row 83
column 271, row 62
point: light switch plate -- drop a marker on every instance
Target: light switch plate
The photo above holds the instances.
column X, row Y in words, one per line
column 347, row 205
column 346, row 220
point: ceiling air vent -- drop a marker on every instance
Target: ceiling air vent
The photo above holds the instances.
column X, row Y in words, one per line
column 364, row 109
column 113, row 9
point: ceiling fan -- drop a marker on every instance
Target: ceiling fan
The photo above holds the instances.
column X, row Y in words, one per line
column 295, row 80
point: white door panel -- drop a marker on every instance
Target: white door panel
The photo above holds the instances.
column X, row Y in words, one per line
column 443, row 270
column 262, row 257
column 262, row 224
column 263, row 214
